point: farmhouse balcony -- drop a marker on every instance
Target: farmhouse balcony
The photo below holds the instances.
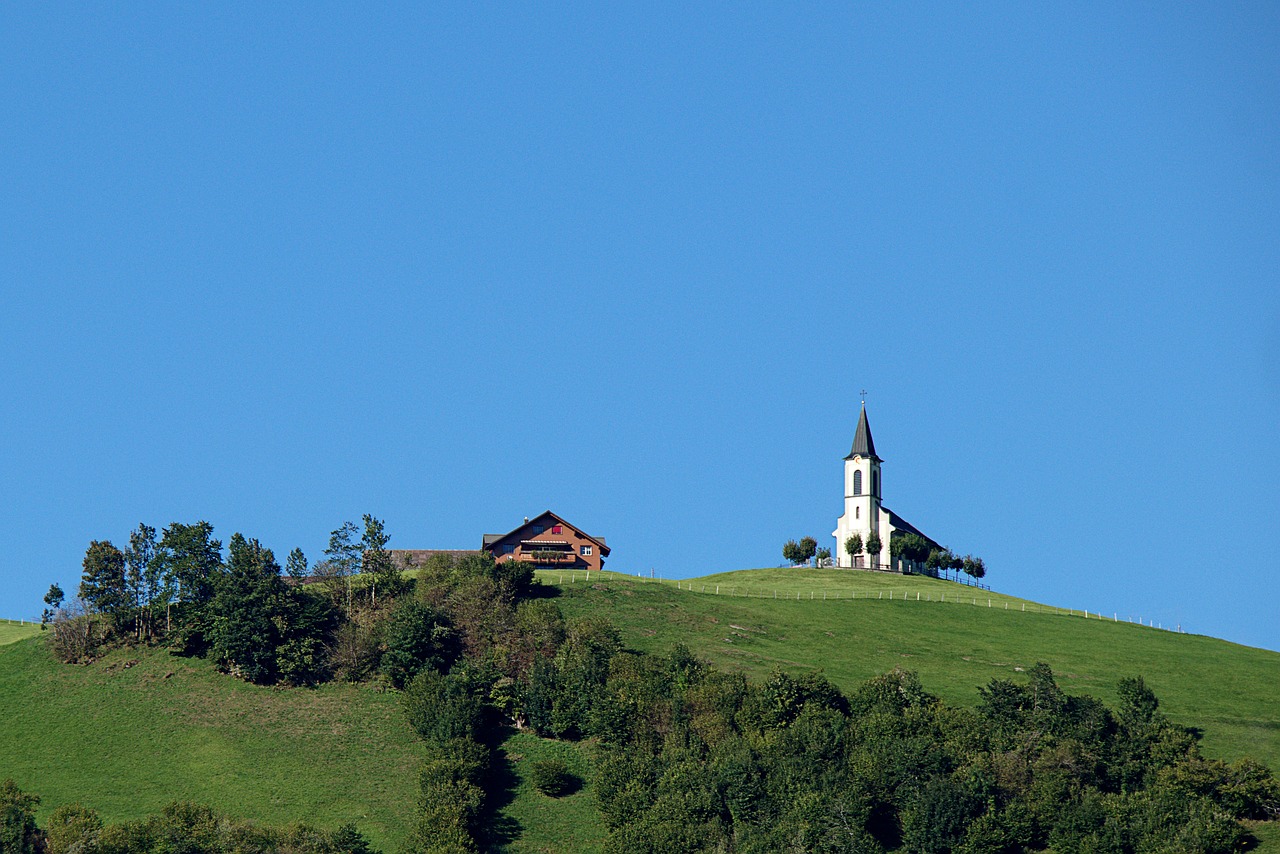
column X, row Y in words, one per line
column 548, row 557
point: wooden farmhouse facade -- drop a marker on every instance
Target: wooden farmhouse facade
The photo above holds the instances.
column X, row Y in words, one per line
column 548, row 542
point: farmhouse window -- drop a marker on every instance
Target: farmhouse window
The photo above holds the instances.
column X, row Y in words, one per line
column 586, row 551
column 508, row 548
column 538, row 529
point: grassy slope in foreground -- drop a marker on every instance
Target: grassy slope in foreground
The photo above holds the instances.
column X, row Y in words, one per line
column 1231, row 691
column 126, row 741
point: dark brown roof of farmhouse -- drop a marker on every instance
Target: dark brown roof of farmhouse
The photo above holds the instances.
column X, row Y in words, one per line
column 489, row 539
column 863, row 445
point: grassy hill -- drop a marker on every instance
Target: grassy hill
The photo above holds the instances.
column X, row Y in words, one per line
column 956, row 637
column 15, row 630
column 127, row 737
column 138, row 729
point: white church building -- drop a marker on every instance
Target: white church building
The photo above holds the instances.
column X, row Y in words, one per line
column 864, row 512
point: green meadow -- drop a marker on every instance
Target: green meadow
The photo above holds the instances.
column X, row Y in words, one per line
column 139, row 728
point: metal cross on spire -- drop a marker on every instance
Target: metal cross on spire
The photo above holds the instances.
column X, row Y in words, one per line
column 864, row 396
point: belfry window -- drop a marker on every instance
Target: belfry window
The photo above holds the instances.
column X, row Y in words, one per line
column 857, row 483
column 875, row 484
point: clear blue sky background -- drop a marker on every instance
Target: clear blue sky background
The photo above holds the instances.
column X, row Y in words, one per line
column 276, row 268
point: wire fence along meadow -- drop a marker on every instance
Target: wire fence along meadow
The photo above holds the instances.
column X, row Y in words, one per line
column 971, row 597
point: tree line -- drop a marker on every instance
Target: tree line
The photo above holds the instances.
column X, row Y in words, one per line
column 903, row 544
column 179, row 827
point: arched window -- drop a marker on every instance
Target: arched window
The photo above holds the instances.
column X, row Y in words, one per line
column 857, row 483
column 875, row 484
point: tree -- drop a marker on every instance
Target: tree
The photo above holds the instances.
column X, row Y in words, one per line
column 824, row 557
column 244, row 631
column 191, row 559
column 973, row 566
column 934, row 562
column 295, row 566
column 344, row 554
column 142, row 583
column 853, row 547
column 873, row 549
column 808, row 548
column 954, row 561
column 103, row 585
column 377, row 560
column 909, row 546
column 791, row 552
column 53, row 599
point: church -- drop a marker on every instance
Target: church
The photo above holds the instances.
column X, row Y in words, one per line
column 864, row 512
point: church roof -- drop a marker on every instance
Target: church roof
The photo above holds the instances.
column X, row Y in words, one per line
column 863, row 445
column 901, row 524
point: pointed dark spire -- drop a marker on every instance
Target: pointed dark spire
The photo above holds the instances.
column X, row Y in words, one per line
column 863, row 445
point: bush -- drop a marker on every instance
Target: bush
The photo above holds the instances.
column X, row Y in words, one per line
column 77, row 633
column 72, row 828
column 553, row 778
column 441, row 707
column 416, row 637
column 18, row 831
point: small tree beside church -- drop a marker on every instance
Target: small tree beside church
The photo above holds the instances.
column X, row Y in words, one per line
column 798, row 553
column 791, row 552
column 873, row 549
column 853, row 547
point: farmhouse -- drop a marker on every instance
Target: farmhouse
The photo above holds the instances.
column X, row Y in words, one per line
column 864, row 514
column 548, row 541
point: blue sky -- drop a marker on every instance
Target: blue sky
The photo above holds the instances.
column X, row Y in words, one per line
column 277, row 268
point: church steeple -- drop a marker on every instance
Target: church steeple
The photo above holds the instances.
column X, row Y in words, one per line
column 863, row 444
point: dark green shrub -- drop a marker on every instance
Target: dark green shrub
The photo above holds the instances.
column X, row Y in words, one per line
column 18, row 831
column 553, row 778
column 416, row 637
column 442, row 707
